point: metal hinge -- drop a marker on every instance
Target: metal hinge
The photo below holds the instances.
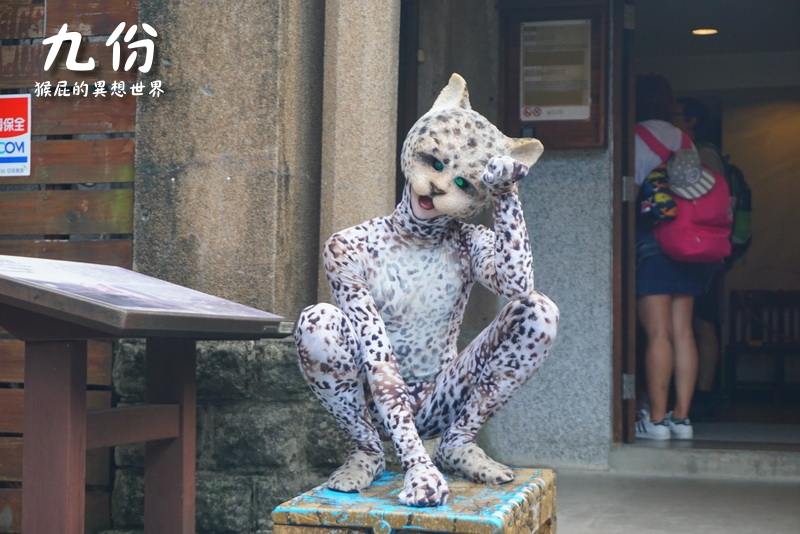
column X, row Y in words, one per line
column 628, row 386
column 628, row 188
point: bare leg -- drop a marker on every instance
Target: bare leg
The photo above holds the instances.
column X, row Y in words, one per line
column 655, row 315
column 481, row 380
column 327, row 352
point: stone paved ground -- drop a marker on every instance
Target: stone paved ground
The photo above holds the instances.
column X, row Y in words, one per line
column 607, row 503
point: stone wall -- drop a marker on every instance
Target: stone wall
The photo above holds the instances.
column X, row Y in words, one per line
column 261, row 436
column 562, row 418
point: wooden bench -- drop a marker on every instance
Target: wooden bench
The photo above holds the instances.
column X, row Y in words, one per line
column 525, row 505
column 764, row 337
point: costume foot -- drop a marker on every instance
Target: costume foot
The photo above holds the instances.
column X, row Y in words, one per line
column 424, row 485
column 357, row 472
column 469, row 461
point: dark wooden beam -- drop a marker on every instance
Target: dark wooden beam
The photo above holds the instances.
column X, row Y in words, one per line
column 131, row 424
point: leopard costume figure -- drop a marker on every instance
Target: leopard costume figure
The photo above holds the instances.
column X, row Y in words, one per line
column 384, row 360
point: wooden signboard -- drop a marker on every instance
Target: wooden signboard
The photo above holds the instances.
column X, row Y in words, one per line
column 116, row 302
column 55, row 307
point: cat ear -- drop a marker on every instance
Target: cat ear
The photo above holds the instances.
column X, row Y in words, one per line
column 526, row 150
column 454, row 95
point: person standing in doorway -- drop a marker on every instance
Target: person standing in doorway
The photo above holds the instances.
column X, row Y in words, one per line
column 694, row 118
column 665, row 288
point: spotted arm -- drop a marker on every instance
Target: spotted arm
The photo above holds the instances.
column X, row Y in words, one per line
column 501, row 258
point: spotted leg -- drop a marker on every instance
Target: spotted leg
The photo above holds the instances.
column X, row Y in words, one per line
column 481, row 380
column 327, row 352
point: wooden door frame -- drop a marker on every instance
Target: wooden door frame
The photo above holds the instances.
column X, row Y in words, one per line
column 624, row 242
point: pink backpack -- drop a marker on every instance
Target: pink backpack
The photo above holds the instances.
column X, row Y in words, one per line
column 700, row 233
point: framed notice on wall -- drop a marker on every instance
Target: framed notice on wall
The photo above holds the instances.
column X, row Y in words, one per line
column 553, row 72
column 554, row 66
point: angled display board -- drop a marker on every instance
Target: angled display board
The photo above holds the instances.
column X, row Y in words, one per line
column 122, row 302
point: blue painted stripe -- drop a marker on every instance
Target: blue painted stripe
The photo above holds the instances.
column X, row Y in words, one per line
column 14, row 160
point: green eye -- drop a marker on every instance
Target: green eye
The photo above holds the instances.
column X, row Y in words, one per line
column 460, row 182
column 438, row 165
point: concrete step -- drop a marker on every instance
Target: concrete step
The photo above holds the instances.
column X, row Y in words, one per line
column 707, row 458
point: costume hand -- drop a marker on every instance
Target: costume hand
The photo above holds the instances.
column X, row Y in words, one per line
column 502, row 174
column 424, row 485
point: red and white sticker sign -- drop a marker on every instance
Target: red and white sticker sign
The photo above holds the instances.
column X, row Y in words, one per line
column 15, row 135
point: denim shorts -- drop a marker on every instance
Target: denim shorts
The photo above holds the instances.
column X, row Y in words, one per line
column 656, row 274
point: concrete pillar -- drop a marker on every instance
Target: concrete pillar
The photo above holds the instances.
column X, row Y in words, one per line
column 228, row 158
column 359, row 117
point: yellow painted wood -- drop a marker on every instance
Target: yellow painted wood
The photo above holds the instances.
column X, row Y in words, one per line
column 525, row 505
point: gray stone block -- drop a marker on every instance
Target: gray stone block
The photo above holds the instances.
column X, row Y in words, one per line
column 224, row 503
column 226, row 370
column 130, row 455
column 326, row 444
column 279, row 374
column 245, row 369
column 127, row 499
column 128, row 369
column 258, row 436
column 279, row 487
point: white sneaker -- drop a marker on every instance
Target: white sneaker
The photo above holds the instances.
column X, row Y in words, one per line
column 680, row 428
column 647, row 429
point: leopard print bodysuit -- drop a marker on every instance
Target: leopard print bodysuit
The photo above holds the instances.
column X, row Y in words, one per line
column 383, row 361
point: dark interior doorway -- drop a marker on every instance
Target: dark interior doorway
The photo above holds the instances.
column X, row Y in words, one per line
column 750, row 85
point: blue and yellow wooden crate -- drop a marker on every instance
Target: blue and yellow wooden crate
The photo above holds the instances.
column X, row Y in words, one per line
column 525, row 505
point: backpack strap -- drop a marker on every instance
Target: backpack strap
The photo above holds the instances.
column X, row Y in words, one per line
column 657, row 146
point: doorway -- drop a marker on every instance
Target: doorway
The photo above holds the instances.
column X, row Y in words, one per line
column 750, row 84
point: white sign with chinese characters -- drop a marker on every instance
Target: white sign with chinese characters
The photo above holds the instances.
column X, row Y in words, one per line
column 15, row 135
column 74, row 39
column 555, row 82
column 46, row 89
column 100, row 88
